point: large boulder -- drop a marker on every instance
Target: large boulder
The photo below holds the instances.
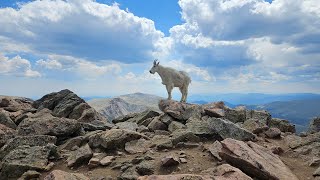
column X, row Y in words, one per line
column 282, row 124
column 80, row 156
column 138, row 146
column 180, row 111
column 254, row 160
column 227, row 129
column 6, row 120
column 61, row 103
column 25, row 158
column 6, row 133
column 215, row 109
column 314, row 125
column 67, row 104
column 14, row 104
column 140, row 118
column 260, row 115
column 114, row 138
column 37, row 140
column 255, row 126
column 235, row 115
column 44, row 123
column 201, row 128
column 62, row 175
column 226, row 171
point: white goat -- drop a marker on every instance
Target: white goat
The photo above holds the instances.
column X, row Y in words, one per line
column 172, row 78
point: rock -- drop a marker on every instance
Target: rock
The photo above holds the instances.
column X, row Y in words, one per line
column 225, row 171
column 24, row 158
column 316, row 172
column 21, row 117
column 43, row 123
column 78, row 110
column 124, row 118
column 260, row 115
column 4, row 102
column 165, row 118
column 235, row 115
column 200, row 127
column 6, row 120
column 114, row 138
column 184, row 136
column 62, row 175
column 94, row 162
column 161, row 142
column 314, row 125
column 142, row 129
column 80, row 156
column 254, row 160
column 292, row 141
column 106, row 161
column 96, row 125
column 227, row 129
column 139, row 118
column 70, row 143
column 283, row 125
column 127, row 125
column 273, row 133
column 6, row 133
column 214, row 150
column 169, row 160
column 129, row 174
column 30, row 175
column 61, row 103
column 315, row 161
column 183, row 160
column 138, row 146
column 156, row 124
column 162, row 132
column 37, row 140
column 175, row 177
column 146, row 168
column 276, row 150
column 67, row 104
column 174, row 125
column 255, row 126
column 180, row 111
column 14, row 104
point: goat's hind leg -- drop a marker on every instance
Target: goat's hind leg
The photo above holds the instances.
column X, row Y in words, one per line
column 182, row 94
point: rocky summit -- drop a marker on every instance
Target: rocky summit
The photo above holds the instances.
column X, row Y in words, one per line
column 61, row 137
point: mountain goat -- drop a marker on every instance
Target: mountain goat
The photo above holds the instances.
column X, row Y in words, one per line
column 172, row 78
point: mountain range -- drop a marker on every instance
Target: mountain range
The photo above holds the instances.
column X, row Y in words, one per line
column 125, row 104
column 297, row 108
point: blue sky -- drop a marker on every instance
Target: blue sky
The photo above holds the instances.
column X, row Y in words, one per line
column 106, row 47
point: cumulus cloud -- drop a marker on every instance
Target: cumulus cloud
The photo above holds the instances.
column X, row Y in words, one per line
column 83, row 28
column 82, row 67
column 250, row 41
column 16, row 66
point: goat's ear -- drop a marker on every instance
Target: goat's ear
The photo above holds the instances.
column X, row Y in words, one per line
column 158, row 63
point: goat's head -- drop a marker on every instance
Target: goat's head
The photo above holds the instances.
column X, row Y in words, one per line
column 154, row 67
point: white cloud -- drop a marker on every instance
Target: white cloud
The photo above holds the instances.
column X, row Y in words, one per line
column 82, row 67
column 16, row 66
column 82, row 28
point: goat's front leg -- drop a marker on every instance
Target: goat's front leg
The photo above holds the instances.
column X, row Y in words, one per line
column 169, row 89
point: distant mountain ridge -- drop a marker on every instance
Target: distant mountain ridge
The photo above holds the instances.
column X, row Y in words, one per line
column 125, row 104
column 251, row 98
column 297, row 111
